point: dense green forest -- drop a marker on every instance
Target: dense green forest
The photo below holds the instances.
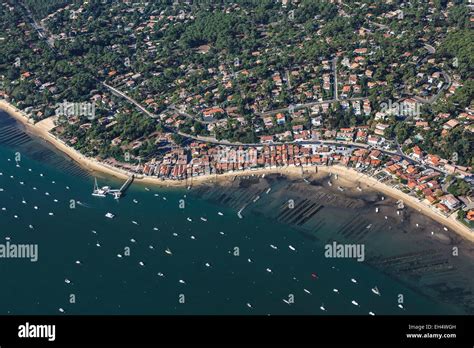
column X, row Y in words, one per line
column 89, row 45
column 41, row 8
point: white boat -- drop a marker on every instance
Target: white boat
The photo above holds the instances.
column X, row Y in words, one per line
column 192, row 237
column 119, row 256
column 353, row 280
column 291, row 247
column 189, row 219
column 219, row 213
column 182, row 281
column 286, row 301
column 155, row 229
column 97, row 245
column 175, row 234
column 147, row 189
column 400, row 306
column 239, row 213
column 151, row 247
column 340, row 188
column 67, row 281
column 322, row 308
column 249, row 260
column 335, row 290
column 371, row 313
column 51, row 214
column 141, row 263
column 160, row 274
column 256, row 199
column 273, row 247
column 249, row 305
column 444, row 228
column 329, row 183
column 99, row 192
column 168, row 251
column 307, row 291
column 78, row 262
column 354, row 303
column 377, row 210
column 135, row 201
column 132, row 240
column 134, row 222
column 376, row 291
column 222, row 233
column 61, row 310
column 359, row 189
column 369, row 226
column 203, row 219
column 268, row 191
column 31, row 227
column 269, row 270
column 109, row 215
column 207, row 264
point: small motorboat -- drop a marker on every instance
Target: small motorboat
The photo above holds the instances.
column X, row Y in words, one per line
column 376, row 291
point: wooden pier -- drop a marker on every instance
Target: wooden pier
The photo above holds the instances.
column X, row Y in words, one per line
column 119, row 193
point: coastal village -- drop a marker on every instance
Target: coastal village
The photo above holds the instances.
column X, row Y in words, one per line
column 202, row 112
column 423, row 176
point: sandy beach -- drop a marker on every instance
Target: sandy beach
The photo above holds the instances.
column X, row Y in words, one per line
column 351, row 176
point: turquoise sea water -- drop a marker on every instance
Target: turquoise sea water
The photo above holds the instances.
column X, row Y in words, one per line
column 214, row 280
